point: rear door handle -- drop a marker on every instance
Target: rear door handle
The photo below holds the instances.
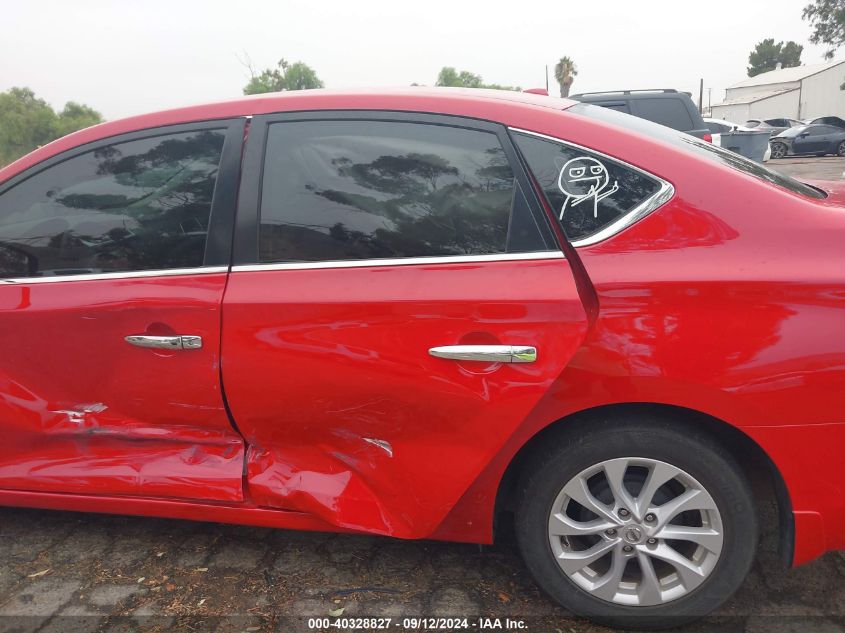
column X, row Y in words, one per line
column 488, row 353
column 165, row 342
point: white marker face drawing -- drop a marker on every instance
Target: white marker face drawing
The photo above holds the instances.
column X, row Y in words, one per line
column 584, row 178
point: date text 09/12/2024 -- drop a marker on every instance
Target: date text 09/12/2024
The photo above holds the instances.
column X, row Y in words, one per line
column 416, row 624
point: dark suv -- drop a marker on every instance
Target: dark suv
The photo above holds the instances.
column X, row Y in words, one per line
column 667, row 107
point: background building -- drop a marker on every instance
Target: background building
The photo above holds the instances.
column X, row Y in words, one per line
column 803, row 92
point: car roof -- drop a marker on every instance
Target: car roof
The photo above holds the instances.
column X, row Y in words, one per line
column 470, row 102
column 660, row 93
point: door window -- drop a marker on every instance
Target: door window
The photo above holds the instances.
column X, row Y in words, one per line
column 352, row 190
column 138, row 205
column 587, row 192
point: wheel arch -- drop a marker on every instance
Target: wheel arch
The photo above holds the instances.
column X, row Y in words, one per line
column 764, row 476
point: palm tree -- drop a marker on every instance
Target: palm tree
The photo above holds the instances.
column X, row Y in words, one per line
column 565, row 71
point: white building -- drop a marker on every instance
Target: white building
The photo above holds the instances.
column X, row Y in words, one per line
column 802, row 92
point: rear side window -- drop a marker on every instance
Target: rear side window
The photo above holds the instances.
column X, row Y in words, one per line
column 352, row 190
column 619, row 106
column 670, row 112
column 586, row 191
column 139, row 205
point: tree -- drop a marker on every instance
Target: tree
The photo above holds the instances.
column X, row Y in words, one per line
column 76, row 116
column 27, row 122
column 827, row 18
column 448, row 76
column 565, row 72
column 285, row 76
column 766, row 56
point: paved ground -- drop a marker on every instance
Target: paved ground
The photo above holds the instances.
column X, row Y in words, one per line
column 827, row 168
column 72, row 572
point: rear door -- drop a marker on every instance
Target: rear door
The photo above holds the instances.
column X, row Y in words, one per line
column 113, row 262
column 397, row 308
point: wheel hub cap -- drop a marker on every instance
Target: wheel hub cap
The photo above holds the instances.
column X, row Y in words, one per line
column 633, row 535
column 635, row 531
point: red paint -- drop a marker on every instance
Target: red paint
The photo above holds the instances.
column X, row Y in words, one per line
column 728, row 300
column 84, row 412
column 315, row 361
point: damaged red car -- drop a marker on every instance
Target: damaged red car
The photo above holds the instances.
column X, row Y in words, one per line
column 425, row 313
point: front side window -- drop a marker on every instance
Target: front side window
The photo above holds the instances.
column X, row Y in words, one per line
column 352, row 190
column 138, row 205
column 586, row 191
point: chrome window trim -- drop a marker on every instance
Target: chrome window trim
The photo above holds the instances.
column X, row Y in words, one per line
column 401, row 261
column 652, row 203
column 135, row 274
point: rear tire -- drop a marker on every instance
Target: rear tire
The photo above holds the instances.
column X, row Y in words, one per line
column 840, row 150
column 640, row 581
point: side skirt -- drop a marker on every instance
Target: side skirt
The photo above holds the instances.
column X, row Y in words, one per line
column 238, row 514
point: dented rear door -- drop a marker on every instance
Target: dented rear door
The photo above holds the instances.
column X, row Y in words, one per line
column 397, row 307
column 113, row 263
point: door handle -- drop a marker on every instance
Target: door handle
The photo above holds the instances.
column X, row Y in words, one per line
column 165, row 342
column 488, row 353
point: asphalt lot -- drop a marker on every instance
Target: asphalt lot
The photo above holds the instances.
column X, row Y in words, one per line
column 826, row 168
column 73, row 572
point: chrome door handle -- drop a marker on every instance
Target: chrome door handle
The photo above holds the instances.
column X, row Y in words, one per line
column 165, row 342
column 488, row 353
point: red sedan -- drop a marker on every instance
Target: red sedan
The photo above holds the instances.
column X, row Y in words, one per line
column 422, row 313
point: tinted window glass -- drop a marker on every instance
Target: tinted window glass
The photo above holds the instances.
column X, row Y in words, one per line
column 619, row 107
column 140, row 205
column 665, row 111
column 696, row 146
column 339, row 190
column 587, row 192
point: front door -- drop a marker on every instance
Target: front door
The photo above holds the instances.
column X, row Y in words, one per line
column 113, row 263
column 813, row 140
column 397, row 308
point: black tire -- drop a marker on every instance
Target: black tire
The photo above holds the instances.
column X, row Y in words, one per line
column 642, row 437
column 779, row 150
column 840, row 149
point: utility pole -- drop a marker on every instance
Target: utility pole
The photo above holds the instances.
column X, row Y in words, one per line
column 701, row 96
column 547, row 78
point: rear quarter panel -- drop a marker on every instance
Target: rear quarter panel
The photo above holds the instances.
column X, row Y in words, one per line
column 728, row 300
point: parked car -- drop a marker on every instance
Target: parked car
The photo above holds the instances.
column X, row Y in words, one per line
column 667, row 107
column 809, row 139
column 828, row 120
column 432, row 312
column 718, row 127
column 775, row 126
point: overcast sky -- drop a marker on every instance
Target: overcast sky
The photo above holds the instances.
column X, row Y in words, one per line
column 126, row 57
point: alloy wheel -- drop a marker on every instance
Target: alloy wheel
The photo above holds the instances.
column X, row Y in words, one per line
column 778, row 150
column 635, row 531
